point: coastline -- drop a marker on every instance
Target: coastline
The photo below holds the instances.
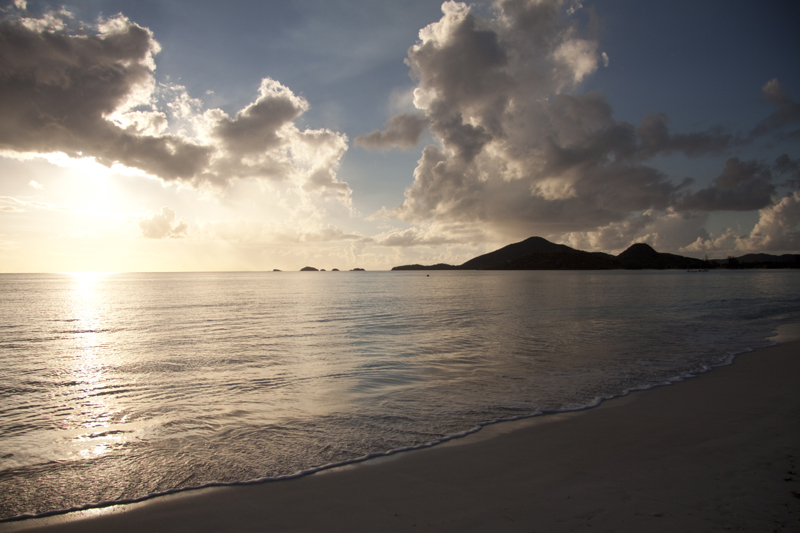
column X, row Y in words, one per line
column 720, row 450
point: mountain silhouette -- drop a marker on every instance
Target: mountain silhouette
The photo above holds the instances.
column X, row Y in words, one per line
column 642, row 255
column 537, row 253
column 514, row 252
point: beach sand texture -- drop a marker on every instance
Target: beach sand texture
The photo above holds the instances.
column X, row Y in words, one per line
column 720, row 452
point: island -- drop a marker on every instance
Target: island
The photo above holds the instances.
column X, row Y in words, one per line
column 537, row 253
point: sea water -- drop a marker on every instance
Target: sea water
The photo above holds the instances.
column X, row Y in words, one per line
column 119, row 386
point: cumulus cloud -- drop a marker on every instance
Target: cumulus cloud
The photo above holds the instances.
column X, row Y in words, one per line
column 89, row 91
column 663, row 230
column 726, row 241
column 163, row 225
column 777, row 230
column 777, row 227
column 402, row 131
column 520, row 150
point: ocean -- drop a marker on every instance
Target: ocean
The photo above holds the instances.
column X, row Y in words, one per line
column 116, row 387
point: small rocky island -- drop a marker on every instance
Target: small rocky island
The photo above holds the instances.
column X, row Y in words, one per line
column 312, row 269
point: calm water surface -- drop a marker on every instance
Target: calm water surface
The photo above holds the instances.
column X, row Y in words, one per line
column 119, row 386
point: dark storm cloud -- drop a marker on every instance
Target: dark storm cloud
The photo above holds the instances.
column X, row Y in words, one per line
column 89, row 91
column 402, row 131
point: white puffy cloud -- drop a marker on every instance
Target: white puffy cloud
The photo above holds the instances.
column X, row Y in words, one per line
column 663, row 230
column 726, row 241
column 777, row 230
column 89, row 91
column 521, row 151
column 778, row 227
column 163, row 225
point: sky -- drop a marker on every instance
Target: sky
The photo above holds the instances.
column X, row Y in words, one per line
column 197, row 135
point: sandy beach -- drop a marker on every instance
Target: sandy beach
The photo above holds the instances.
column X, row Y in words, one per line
column 719, row 452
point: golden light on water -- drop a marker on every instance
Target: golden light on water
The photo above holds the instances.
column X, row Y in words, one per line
column 91, row 354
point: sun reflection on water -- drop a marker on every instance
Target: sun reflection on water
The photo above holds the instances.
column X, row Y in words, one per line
column 91, row 358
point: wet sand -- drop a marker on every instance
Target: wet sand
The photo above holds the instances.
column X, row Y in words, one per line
column 718, row 452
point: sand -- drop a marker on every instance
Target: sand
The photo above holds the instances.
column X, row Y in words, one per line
column 720, row 452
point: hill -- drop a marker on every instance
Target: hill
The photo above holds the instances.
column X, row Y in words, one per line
column 438, row 266
column 536, row 253
column 514, row 252
column 640, row 255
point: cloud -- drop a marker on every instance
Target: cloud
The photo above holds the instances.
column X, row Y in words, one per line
column 260, row 232
column 726, row 241
column 788, row 111
column 13, row 205
column 742, row 186
column 89, row 91
column 163, row 225
column 35, row 184
column 412, row 237
column 790, row 168
column 655, row 139
column 664, row 230
column 520, row 151
column 57, row 90
column 402, row 131
column 777, row 230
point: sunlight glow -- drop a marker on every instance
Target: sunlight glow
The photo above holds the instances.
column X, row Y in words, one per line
column 87, row 309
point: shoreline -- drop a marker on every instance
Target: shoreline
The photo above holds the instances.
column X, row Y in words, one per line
column 696, row 448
